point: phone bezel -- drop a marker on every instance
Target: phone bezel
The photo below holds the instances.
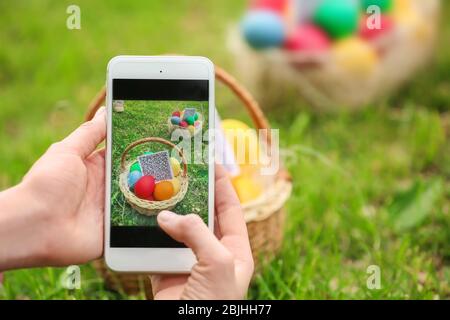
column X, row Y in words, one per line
column 155, row 260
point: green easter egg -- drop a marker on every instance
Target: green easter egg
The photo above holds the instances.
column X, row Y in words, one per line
column 338, row 18
column 135, row 167
column 384, row 5
column 148, row 152
column 196, row 116
column 190, row 120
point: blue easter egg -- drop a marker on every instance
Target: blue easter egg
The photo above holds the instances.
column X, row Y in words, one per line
column 133, row 177
column 175, row 120
column 263, row 29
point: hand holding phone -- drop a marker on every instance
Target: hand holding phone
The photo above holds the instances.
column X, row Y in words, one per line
column 159, row 156
column 54, row 217
column 225, row 263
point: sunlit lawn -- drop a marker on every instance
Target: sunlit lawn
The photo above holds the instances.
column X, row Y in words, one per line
column 370, row 188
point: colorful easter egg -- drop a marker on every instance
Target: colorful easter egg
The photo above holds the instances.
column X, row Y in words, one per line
column 145, row 187
column 263, row 29
column 183, row 124
column 163, row 190
column 373, row 27
column 135, row 167
column 309, row 38
column 384, row 5
column 197, row 124
column 196, row 116
column 176, row 185
column 175, row 120
column 304, row 9
column 338, row 18
column 191, row 130
column 237, row 132
column 273, row 5
column 246, row 189
column 148, row 153
column 409, row 19
column 175, row 165
column 133, row 177
column 400, row 6
column 190, row 120
column 176, row 114
column 355, row 56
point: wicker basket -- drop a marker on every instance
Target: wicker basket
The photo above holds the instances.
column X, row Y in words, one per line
column 276, row 74
column 146, row 207
column 264, row 216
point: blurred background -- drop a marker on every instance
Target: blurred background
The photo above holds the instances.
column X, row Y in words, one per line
column 371, row 177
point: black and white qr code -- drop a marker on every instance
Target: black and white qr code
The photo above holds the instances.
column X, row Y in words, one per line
column 156, row 165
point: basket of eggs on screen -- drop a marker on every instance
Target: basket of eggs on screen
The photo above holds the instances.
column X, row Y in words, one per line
column 188, row 120
column 153, row 181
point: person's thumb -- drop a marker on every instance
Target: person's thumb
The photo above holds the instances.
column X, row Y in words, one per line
column 193, row 232
column 85, row 139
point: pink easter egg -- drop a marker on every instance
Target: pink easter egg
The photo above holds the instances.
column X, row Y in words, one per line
column 308, row 37
column 369, row 30
column 272, row 5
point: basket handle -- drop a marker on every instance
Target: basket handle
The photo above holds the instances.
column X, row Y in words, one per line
column 253, row 108
column 153, row 139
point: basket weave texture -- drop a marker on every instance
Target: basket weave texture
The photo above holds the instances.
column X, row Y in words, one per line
column 264, row 216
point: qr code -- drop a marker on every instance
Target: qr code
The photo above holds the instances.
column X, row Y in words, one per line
column 188, row 112
column 156, row 165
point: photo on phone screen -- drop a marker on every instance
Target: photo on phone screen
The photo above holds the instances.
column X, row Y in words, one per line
column 146, row 114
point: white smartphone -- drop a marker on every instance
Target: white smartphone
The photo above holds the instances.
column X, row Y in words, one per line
column 160, row 156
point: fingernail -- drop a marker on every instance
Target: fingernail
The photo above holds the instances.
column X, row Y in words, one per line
column 165, row 216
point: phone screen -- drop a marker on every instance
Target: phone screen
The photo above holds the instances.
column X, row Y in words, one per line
column 159, row 157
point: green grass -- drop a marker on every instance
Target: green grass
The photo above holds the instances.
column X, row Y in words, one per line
column 356, row 175
column 142, row 119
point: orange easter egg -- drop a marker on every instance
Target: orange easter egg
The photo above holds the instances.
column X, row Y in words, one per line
column 163, row 190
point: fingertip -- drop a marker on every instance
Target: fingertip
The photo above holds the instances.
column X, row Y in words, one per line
column 164, row 217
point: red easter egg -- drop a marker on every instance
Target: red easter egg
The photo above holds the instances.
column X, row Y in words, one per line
column 273, row 5
column 369, row 31
column 308, row 37
column 176, row 114
column 144, row 188
column 183, row 124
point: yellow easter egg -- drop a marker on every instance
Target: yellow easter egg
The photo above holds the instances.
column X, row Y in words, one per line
column 176, row 167
column 355, row 55
column 243, row 139
column 176, row 185
column 249, row 170
column 401, row 6
column 410, row 19
column 191, row 130
column 163, row 190
column 246, row 188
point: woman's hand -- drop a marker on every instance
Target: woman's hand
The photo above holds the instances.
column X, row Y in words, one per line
column 55, row 216
column 225, row 263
